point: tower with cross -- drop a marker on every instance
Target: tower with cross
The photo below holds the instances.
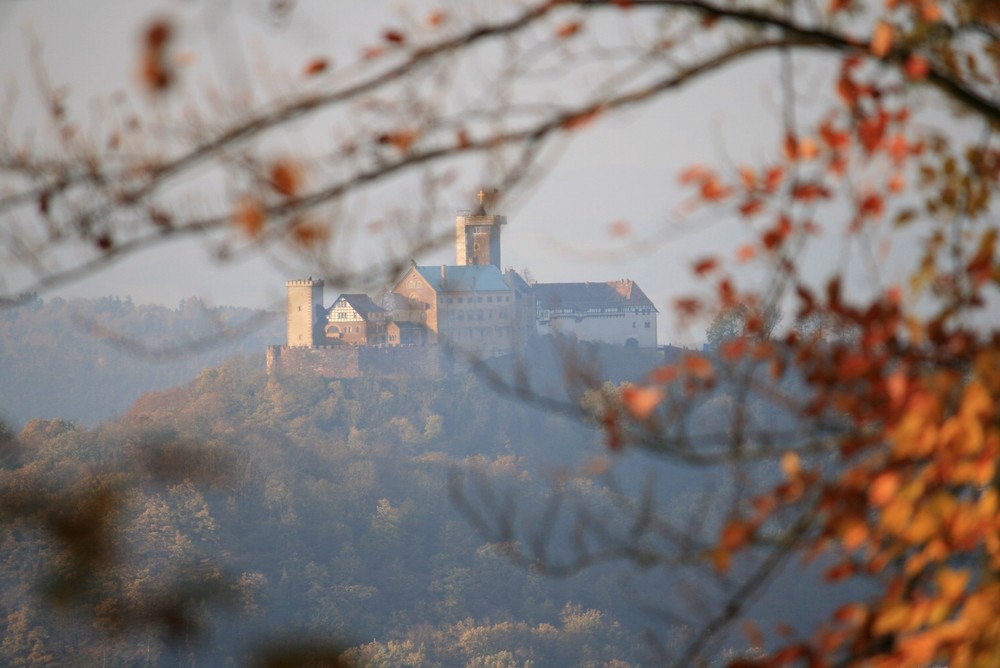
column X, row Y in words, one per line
column 477, row 235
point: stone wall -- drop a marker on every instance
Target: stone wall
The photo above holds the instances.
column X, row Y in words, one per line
column 354, row 361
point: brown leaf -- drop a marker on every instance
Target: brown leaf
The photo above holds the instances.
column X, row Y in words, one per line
column 394, row 36
column 285, row 177
column 250, row 215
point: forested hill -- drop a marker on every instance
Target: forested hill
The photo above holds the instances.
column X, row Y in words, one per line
column 319, row 509
column 86, row 360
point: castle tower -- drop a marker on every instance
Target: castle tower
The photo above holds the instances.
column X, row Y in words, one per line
column 477, row 236
column 305, row 306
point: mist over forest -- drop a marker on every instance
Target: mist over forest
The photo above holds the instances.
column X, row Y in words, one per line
column 359, row 514
column 60, row 350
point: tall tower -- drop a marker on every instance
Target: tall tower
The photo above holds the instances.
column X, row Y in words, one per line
column 477, row 236
column 305, row 305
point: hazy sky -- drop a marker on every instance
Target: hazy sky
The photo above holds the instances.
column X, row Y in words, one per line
column 621, row 169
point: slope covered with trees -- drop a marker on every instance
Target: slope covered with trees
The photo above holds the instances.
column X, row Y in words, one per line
column 246, row 507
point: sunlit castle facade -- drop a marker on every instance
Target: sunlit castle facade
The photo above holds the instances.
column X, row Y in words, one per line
column 473, row 308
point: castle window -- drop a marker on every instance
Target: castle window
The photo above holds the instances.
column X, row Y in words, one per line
column 479, row 299
column 647, row 326
column 489, row 299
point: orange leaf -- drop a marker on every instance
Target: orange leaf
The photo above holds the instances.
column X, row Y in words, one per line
column 773, row 179
column 881, row 39
column 746, row 252
column 692, row 174
column 735, row 535
column 568, row 29
column 751, row 207
column 620, row 228
column 435, row 18
column 791, row 465
column 641, row 401
column 916, row 67
column 883, row 488
column 698, row 366
column 712, row 190
column 664, row 374
column 808, row 149
column 733, row 349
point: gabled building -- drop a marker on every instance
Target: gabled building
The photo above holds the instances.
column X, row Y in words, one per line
column 471, row 308
column 616, row 312
column 357, row 320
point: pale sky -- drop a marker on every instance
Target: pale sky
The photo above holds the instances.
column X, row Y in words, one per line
column 620, row 169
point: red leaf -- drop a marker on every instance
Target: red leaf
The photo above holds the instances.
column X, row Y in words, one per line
column 704, row 266
column 810, row 191
column 394, row 36
column 773, row 180
column 316, row 66
column 871, row 130
column 916, row 67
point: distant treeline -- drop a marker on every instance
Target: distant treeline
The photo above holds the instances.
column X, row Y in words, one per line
column 86, row 360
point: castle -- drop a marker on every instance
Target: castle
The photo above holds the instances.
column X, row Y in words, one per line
column 435, row 316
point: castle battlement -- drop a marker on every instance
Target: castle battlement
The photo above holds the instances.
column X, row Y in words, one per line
column 304, row 283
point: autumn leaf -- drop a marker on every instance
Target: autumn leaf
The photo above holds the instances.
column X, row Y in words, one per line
column 308, row 234
column 746, row 252
column 810, row 191
column 568, row 29
column 285, row 176
column 582, row 119
column 394, row 37
column 916, row 67
column 316, row 66
column 698, row 366
column 641, row 401
column 401, row 139
column 619, row 228
column 249, row 215
column 881, row 41
column 435, row 18
column 705, row 266
column 883, row 488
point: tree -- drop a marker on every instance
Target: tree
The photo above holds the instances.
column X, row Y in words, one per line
column 887, row 441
